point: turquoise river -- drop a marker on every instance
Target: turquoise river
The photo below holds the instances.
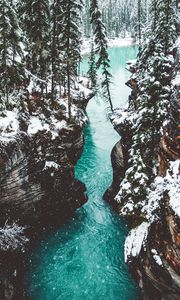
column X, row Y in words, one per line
column 84, row 259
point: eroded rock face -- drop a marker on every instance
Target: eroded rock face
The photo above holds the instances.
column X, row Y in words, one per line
column 118, row 160
column 38, row 188
column 37, row 183
column 157, row 267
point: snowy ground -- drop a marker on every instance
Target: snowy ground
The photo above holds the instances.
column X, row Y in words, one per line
column 117, row 42
column 37, row 121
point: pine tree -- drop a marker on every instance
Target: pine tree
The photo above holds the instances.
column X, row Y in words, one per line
column 70, row 41
column 92, row 72
column 100, row 40
column 139, row 23
column 154, row 14
column 35, row 21
column 154, row 91
column 166, row 21
column 56, row 49
column 10, row 51
column 86, row 19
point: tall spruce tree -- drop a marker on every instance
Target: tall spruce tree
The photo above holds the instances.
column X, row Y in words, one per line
column 100, row 40
column 35, row 21
column 57, row 64
column 139, row 23
column 166, row 22
column 92, row 72
column 154, row 14
column 70, row 40
column 86, row 19
column 154, row 91
column 10, row 51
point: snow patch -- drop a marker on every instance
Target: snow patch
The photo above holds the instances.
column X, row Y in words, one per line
column 176, row 80
column 157, row 257
column 9, row 124
column 135, row 240
column 36, row 125
column 173, row 186
column 51, row 164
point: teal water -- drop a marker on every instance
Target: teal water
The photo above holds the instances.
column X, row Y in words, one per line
column 84, row 259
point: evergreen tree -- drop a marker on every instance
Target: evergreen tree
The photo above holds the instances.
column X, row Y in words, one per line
column 57, row 64
column 154, row 91
column 139, row 22
column 120, row 17
column 70, row 40
column 35, row 20
column 86, row 19
column 100, row 39
column 10, row 51
column 166, row 23
column 154, row 14
column 92, row 72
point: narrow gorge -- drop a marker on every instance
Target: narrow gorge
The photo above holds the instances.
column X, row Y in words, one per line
column 89, row 149
column 85, row 257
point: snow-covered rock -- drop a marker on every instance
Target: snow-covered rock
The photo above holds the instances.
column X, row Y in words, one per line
column 135, row 239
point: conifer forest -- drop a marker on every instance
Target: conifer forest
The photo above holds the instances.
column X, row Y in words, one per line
column 89, row 149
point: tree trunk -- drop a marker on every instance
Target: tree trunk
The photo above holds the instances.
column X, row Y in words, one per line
column 177, row 2
column 69, row 88
column 109, row 94
column 59, row 89
column 68, row 65
column 139, row 22
column 167, row 22
column 53, row 52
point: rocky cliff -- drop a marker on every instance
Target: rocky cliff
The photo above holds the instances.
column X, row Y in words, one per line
column 146, row 167
column 39, row 147
column 37, row 177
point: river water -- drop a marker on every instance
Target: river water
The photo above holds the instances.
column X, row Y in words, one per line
column 84, row 259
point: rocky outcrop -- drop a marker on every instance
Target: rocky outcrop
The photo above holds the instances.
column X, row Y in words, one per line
column 37, row 185
column 152, row 249
column 156, row 267
column 38, row 152
column 118, row 160
column 38, row 188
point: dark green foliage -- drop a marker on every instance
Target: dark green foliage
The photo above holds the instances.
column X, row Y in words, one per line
column 154, row 91
column 101, row 49
column 92, row 73
column 50, row 42
column 166, row 22
column 58, row 70
column 35, row 21
column 11, row 70
column 86, row 19
column 70, row 41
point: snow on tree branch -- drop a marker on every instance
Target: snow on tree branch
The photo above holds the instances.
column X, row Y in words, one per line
column 12, row 237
